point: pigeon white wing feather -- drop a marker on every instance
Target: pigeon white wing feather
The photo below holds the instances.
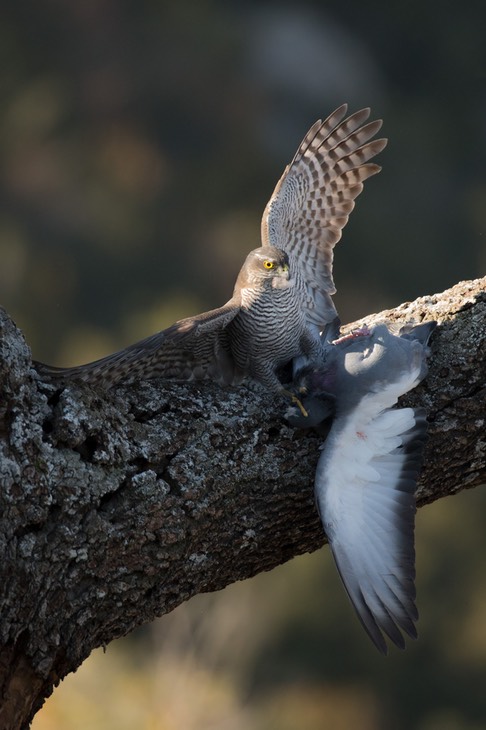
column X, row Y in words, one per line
column 365, row 490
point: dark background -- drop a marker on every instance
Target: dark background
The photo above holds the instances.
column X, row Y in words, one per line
column 140, row 142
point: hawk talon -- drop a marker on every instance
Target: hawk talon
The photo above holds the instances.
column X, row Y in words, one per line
column 297, row 402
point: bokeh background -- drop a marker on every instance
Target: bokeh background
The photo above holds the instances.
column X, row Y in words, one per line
column 139, row 144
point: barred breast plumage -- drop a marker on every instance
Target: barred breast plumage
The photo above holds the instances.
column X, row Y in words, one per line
column 270, row 329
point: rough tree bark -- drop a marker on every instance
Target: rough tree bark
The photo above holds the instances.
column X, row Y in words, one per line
column 118, row 506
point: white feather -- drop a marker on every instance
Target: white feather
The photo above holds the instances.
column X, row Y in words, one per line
column 367, row 509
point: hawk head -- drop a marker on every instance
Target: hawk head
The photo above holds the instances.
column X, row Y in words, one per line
column 265, row 267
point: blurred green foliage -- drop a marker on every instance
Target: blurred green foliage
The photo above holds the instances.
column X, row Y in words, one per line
column 139, row 144
column 141, row 141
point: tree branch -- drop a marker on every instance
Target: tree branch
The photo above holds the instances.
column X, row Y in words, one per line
column 118, row 506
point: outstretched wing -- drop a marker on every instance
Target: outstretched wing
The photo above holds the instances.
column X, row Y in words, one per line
column 195, row 348
column 314, row 197
column 365, row 489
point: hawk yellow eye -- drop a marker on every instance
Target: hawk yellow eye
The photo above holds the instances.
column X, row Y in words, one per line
column 268, row 264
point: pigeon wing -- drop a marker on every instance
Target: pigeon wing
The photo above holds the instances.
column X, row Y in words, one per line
column 365, row 490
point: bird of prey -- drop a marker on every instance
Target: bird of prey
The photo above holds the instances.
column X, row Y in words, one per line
column 367, row 473
column 282, row 296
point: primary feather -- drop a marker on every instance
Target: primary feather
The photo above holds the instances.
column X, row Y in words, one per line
column 314, row 197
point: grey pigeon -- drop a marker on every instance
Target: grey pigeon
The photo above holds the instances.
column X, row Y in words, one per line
column 367, row 473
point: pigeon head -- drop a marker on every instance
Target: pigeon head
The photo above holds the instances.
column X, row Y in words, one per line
column 367, row 361
column 377, row 361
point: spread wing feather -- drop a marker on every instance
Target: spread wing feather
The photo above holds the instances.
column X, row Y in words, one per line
column 195, row 348
column 314, row 197
column 365, row 490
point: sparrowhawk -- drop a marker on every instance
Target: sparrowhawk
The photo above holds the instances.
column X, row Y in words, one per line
column 282, row 296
